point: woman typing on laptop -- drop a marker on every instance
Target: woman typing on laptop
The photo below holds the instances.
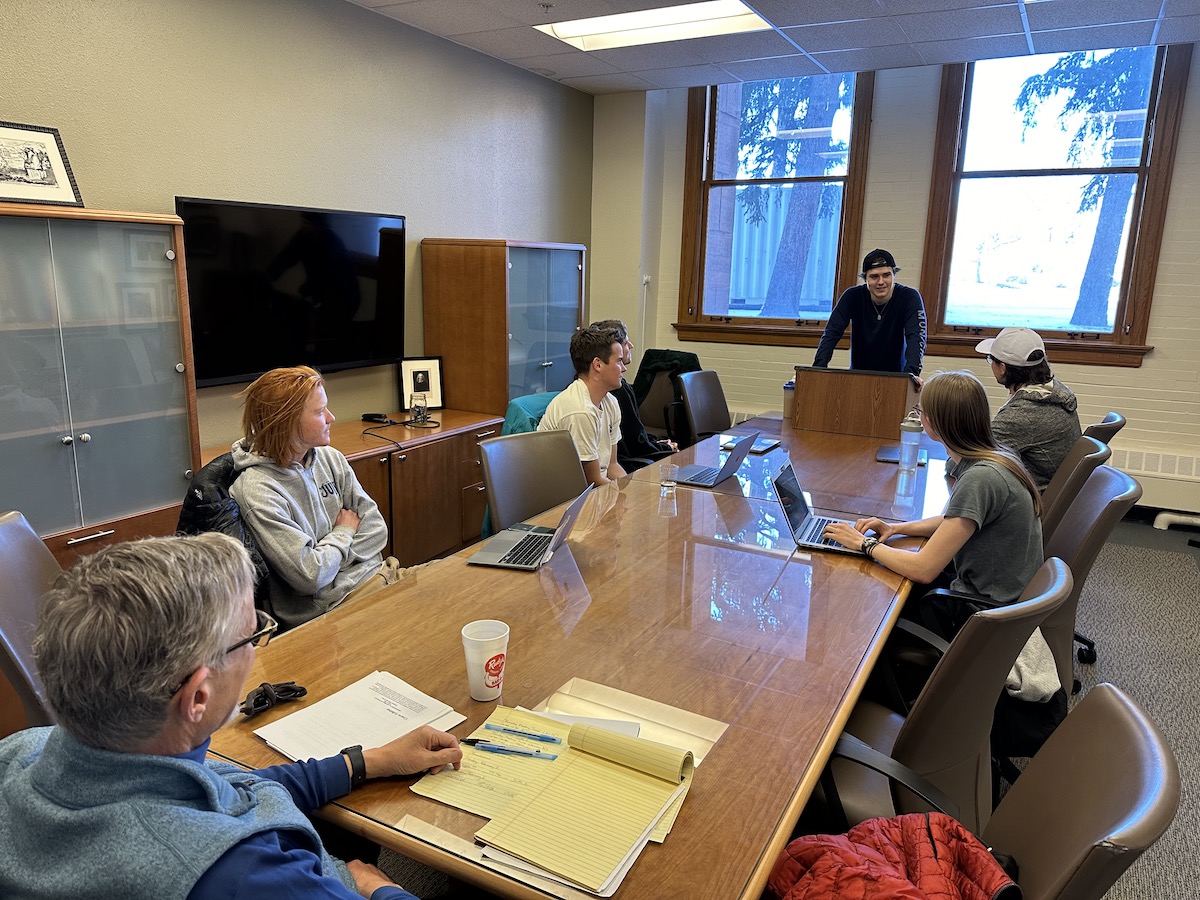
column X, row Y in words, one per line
column 989, row 540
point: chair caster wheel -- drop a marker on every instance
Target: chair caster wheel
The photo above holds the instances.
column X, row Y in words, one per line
column 1087, row 655
column 1076, row 687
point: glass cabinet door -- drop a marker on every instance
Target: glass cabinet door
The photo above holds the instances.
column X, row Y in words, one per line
column 39, row 467
column 544, row 291
column 121, row 344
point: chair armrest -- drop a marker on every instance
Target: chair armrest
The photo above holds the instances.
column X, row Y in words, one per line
column 851, row 748
column 921, row 633
column 962, row 596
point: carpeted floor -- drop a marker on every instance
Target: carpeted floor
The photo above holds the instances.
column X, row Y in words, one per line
column 1141, row 604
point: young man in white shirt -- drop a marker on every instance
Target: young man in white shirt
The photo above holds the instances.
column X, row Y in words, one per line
column 586, row 409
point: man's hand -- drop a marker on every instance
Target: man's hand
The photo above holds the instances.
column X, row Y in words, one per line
column 668, row 444
column 367, row 878
column 348, row 517
column 423, row 750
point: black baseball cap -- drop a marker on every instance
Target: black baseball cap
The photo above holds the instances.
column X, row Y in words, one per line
column 877, row 259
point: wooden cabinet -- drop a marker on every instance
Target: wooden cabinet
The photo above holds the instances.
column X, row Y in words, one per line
column 500, row 314
column 374, row 474
column 98, row 428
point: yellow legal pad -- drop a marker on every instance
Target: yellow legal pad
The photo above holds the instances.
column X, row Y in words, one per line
column 594, row 812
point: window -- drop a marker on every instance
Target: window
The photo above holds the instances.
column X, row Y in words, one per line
column 1054, row 199
column 774, row 184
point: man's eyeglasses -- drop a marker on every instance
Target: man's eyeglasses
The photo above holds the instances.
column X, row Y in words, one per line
column 264, row 627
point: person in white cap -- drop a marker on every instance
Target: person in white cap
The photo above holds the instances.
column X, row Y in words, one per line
column 886, row 319
column 1040, row 421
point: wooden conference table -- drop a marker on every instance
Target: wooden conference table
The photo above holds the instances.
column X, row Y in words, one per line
column 697, row 601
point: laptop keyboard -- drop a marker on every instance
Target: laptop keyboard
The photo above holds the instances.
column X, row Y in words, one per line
column 812, row 532
column 707, row 474
column 530, row 549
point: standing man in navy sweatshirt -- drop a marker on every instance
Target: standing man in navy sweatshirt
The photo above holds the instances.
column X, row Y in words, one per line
column 886, row 319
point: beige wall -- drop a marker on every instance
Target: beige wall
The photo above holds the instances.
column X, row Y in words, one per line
column 306, row 102
column 1161, row 399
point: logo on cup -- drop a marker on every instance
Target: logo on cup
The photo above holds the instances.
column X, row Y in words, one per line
column 493, row 671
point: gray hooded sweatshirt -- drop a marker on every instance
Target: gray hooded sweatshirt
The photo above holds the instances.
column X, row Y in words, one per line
column 290, row 510
column 1040, row 423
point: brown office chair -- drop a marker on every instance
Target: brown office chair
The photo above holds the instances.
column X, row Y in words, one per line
column 528, row 473
column 945, row 736
column 29, row 570
column 704, row 408
column 1102, row 790
column 1105, row 498
column 1106, row 428
column 1073, row 471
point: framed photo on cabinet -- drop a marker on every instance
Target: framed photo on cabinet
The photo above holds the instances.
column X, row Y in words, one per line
column 34, row 166
column 422, row 375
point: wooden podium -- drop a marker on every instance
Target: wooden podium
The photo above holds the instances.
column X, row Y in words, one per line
column 849, row 401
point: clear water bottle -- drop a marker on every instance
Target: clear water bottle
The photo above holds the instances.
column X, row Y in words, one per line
column 910, row 441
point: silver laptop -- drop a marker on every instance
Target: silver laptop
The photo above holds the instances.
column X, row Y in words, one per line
column 528, row 546
column 710, row 476
column 806, row 528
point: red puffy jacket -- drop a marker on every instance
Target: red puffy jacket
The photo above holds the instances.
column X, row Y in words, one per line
column 909, row 857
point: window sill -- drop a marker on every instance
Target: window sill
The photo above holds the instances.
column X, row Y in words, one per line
column 758, row 333
column 1058, row 350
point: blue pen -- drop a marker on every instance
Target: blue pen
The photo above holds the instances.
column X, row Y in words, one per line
column 489, row 747
column 532, row 735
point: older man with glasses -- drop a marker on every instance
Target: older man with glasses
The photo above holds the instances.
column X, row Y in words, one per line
column 143, row 650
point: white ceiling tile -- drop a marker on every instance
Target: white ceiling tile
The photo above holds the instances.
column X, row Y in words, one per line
column 513, row 43
column 960, row 24
column 609, row 84
column 566, row 65
column 1179, row 30
column 897, row 56
column 779, row 67
column 685, row 76
column 943, row 52
column 785, row 13
column 1100, row 37
column 843, row 35
column 1044, row 16
column 446, row 19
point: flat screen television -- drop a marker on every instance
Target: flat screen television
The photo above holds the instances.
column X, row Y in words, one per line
column 276, row 286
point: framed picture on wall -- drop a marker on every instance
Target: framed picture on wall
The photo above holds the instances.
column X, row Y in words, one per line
column 422, row 375
column 34, row 166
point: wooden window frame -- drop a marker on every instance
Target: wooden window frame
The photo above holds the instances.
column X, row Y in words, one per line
column 693, row 324
column 1127, row 345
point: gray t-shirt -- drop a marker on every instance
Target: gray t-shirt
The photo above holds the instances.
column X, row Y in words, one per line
column 1005, row 551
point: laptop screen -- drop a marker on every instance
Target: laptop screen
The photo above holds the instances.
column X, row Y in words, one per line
column 795, row 507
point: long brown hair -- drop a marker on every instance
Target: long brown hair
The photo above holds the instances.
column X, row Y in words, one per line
column 271, row 409
column 956, row 406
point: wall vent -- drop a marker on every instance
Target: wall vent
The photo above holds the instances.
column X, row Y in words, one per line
column 1153, row 462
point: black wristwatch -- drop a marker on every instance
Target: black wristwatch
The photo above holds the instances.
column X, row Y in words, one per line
column 358, row 766
column 868, row 545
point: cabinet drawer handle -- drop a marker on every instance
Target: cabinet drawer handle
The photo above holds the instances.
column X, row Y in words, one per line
column 401, row 457
column 91, row 537
column 547, row 364
column 481, row 435
column 481, row 489
column 383, row 460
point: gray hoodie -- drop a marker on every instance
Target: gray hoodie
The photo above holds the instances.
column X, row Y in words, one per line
column 290, row 510
column 1040, row 423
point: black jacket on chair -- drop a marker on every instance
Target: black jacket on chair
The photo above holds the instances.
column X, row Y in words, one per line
column 637, row 448
column 207, row 506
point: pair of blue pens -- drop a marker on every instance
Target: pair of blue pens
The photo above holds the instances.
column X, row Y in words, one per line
column 492, row 747
column 489, row 747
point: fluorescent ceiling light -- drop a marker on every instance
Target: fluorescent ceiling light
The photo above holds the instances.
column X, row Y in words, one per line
column 654, row 26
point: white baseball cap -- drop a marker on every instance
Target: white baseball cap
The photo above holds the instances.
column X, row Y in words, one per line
column 1014, row 347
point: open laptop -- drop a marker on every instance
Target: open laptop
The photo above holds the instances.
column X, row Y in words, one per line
column 806, row 528
column 710, row 476
column 526, row 547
